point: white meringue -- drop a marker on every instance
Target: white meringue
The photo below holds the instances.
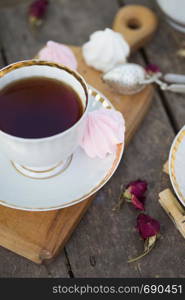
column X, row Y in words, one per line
column 105, row 50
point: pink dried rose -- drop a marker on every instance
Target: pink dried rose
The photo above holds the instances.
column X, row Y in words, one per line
column 149, row 229
column 36, row 11
column 137, row 188
column 147, row 226
column 137, row 203
column 152, row 69
column 134, row 194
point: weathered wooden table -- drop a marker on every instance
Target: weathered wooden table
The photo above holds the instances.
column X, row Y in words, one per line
column 104, row 240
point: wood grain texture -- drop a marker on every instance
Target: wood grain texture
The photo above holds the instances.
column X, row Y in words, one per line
column 103, row 241
column 5, row 3
column 68, row 22
column 12, row 265
column 108, row 239
column 15, row 28
column 163, row 52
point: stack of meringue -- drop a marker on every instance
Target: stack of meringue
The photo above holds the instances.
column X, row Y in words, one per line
column 105, row 50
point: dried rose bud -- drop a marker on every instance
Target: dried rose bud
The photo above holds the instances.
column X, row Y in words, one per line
column 148, row 246
column 149, row 230
column 37, row 11
column 147, row 226
column 137, row 203
column 136, row 188
column 134, row 194
column 152, row 69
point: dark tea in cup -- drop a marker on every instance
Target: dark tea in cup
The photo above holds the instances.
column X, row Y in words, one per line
column 38, row 107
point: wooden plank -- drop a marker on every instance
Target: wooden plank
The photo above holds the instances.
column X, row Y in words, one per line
column 68, row 22
column 163, row 52
column 104, row 240
column 164, row 262
column 54, row 228
column 15, row 17
column 5, row 3
column 13, row 266
column 108, row 239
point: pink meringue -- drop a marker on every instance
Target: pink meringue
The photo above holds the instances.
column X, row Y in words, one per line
column 58, row 53
column 104, row 129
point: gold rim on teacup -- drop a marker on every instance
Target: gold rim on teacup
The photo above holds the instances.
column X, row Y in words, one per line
column 172, row 159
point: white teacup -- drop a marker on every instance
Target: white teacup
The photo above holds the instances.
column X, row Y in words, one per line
column 43, row 157
column 175, row 12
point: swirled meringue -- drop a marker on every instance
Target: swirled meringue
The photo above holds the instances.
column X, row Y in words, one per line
column 58, row 53
column 104, row 129
column 105, row 50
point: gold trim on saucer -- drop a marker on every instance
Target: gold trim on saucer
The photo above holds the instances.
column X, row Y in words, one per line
column 99, row 98
column 45, row 171
column 94, row 190
column 172, row 163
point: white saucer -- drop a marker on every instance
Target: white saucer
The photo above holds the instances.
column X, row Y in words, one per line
column 83, row 177
column 177, row 165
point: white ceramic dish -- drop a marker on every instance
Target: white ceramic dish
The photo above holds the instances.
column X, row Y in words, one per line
column 177, row 165
column 175, row 12
column 83, row 177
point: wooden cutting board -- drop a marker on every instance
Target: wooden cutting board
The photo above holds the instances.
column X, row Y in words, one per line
column 40, row 235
